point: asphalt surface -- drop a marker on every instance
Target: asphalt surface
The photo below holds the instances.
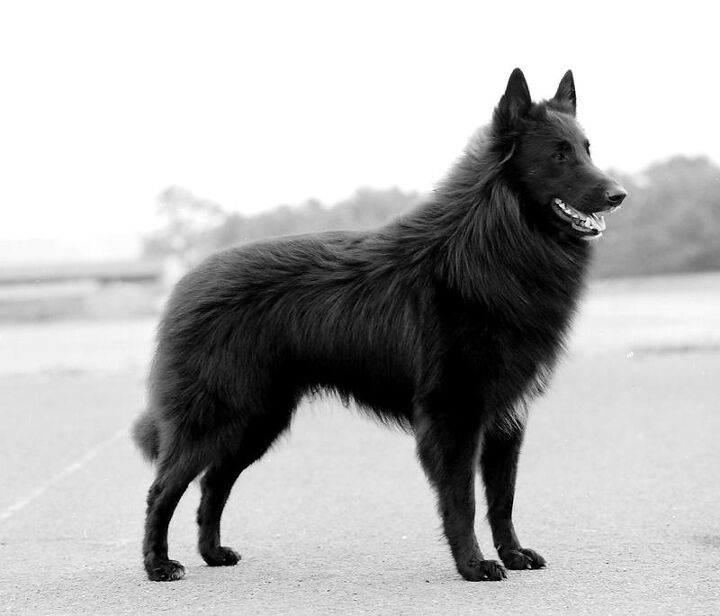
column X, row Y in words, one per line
column 619, row 485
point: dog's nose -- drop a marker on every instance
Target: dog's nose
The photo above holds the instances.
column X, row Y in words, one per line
column 616, row 195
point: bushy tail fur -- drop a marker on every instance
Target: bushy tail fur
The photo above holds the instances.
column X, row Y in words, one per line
column 146, row 435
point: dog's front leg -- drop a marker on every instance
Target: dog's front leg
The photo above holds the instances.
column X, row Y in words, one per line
column 498, row 464
column 448, row 454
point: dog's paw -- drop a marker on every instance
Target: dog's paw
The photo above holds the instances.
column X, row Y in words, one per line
column 522, row 558
column 164, row 570
column 480, row 570
column 221, row 557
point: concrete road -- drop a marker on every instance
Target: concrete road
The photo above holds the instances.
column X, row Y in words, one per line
column 619, row 487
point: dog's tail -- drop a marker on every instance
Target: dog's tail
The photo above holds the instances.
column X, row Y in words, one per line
column 146, row 434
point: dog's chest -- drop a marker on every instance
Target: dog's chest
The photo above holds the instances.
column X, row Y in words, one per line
column 508, row 354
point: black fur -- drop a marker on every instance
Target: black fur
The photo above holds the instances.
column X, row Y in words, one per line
column 146, row 436
column 445, row 321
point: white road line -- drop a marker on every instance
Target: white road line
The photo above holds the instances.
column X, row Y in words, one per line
column 67, row 471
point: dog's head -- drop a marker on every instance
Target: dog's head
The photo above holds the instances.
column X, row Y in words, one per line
column 546, row 158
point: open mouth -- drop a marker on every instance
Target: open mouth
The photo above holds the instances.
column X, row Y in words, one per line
column 590, row 226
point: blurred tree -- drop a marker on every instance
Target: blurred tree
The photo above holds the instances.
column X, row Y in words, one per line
column 368, row 207
column 669, row 222
column 189, row 225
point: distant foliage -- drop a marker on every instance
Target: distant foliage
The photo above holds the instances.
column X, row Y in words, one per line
column 190, row 226
column 188, row 233
column 669, row 223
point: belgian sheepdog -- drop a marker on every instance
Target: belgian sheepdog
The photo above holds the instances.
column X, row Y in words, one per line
column 445, row 321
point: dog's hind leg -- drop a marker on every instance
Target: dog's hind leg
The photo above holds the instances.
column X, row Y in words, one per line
column 174, row 475
column 216, row 485
column 220, row 476
column 498, row 464
column 449, row 456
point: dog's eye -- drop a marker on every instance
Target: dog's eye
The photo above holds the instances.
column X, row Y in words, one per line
column 560, row 157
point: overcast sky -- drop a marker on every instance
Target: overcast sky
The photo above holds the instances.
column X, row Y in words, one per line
column 254, row 104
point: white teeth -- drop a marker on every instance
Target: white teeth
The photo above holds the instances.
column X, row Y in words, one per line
column 580, row 220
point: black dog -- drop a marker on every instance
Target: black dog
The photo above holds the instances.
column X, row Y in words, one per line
column 446, row 321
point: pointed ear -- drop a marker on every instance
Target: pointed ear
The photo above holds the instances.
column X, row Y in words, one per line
column 516, row 102
column 565, row 94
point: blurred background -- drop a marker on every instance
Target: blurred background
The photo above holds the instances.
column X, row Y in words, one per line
column 137, row 137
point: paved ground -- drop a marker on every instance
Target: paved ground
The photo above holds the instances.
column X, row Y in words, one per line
column 618, row 484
